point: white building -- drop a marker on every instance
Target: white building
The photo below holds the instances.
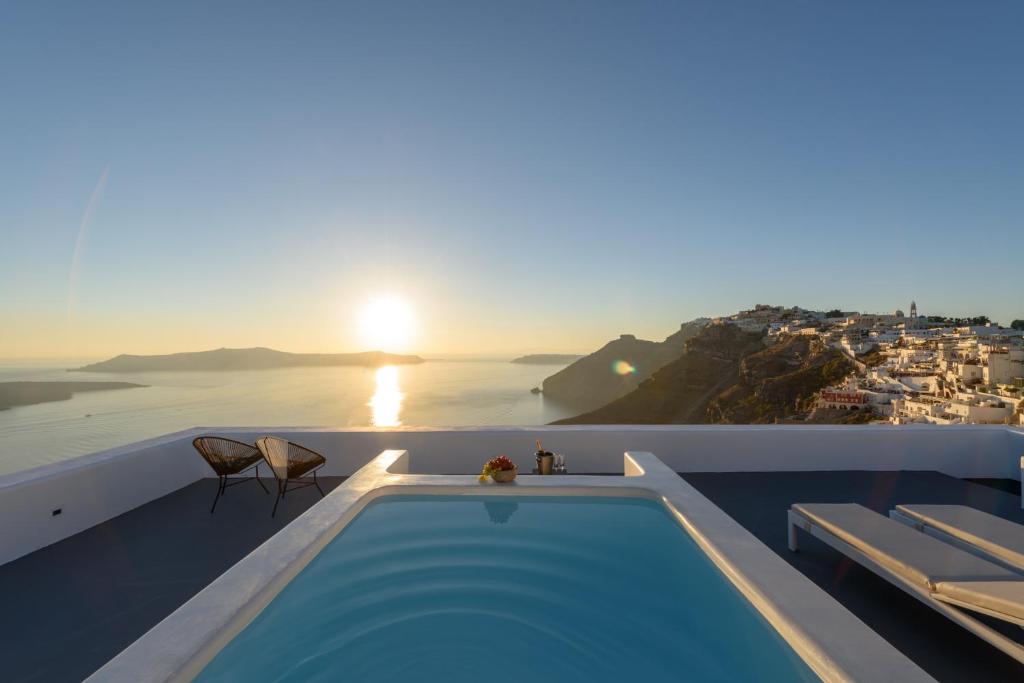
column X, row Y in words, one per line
column 1002, row 364
column 985, row 411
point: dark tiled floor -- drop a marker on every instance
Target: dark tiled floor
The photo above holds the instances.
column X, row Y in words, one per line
column 759, row 500
column 68, row 608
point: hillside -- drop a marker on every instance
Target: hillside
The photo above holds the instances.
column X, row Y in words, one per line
column 243, row 359
column 617, row 368
column 14, row 394
column 727, row 376
column 779, row 382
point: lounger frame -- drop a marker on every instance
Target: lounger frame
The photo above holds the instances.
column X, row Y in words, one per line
column 945, row 606
column 955, row 541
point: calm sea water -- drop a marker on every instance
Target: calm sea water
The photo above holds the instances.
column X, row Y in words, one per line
column 436, row 393
column 504, row 589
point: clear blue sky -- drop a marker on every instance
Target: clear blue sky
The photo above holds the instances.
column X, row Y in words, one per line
column 528, row 176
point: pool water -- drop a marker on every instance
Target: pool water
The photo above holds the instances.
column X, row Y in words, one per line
column 476, row 588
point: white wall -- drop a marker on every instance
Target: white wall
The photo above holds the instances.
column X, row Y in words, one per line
column 98, row 487
column 1015, row 437
column 89, row 490
column 961, row 451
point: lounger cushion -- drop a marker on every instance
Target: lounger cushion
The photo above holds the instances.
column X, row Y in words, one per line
column 915, row 557
column 996, row 536
column 1004, row 597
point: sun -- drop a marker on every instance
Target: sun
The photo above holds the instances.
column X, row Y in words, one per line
column 387, row 324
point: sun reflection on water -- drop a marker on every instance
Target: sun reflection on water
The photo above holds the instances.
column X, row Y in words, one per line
column 386, row 402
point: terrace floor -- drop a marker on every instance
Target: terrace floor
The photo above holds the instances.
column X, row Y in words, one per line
column 759, row 500
column 66, row 609
column 70, row 607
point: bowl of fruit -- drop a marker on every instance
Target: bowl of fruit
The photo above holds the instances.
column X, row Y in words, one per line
column 500, row 469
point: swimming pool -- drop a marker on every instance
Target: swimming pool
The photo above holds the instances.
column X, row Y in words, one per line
column 509, row 588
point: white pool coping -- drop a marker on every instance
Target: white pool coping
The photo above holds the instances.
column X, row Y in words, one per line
column 834, row 643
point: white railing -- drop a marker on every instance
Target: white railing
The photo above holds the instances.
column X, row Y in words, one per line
column 94, row 488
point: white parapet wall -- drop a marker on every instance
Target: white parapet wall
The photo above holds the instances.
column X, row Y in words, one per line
column 47, row 504
column 94, row 488
column 960, row 451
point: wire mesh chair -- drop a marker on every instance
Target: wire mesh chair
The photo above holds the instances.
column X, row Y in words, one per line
column 229, row 458
column 289, row 462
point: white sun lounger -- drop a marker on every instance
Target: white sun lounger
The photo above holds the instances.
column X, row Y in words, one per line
column 977, row 532
column 945, row 578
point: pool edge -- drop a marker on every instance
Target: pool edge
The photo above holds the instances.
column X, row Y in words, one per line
column 833, row 643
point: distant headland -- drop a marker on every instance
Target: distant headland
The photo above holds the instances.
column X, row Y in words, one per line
column 243, row 359
column 548, row 359
column 13, row 394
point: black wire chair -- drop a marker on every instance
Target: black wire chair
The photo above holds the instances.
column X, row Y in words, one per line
column 228, row 459
column 289, row 462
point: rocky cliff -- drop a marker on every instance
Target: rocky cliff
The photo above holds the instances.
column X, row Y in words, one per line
column 727, row 376
column 617, row 368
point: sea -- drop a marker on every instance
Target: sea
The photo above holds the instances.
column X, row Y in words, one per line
column 435, row 393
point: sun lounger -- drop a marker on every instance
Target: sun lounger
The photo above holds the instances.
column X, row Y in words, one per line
column 994, row 538
column 947, row 579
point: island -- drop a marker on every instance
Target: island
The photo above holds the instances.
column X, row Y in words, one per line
column 243, row 359
column 14, row 394
column 547, row 359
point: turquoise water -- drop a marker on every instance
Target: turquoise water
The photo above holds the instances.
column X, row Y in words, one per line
column 461, row 589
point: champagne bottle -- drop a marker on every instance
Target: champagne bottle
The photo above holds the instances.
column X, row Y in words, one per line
column 544, row 459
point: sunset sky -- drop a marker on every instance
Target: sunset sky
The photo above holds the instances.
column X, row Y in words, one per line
column 519, row 176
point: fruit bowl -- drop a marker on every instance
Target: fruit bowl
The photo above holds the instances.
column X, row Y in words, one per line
column 504, row 476
column 500, row 469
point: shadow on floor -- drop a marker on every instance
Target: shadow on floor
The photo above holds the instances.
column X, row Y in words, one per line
column 759, row 501
column 68, row 608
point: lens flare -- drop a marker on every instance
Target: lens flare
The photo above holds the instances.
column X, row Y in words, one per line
column 622, row 367
column 78, row 256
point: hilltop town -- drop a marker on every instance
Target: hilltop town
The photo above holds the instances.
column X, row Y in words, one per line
column 910, row 368
column 773, row 364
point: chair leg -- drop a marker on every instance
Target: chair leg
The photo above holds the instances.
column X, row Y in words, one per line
column 258, row 481
column 317, row 484
column 280, row 495
column 220, row 489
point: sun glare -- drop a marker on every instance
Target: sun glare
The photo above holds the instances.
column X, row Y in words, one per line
column 386, row 402
column 386, row 324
